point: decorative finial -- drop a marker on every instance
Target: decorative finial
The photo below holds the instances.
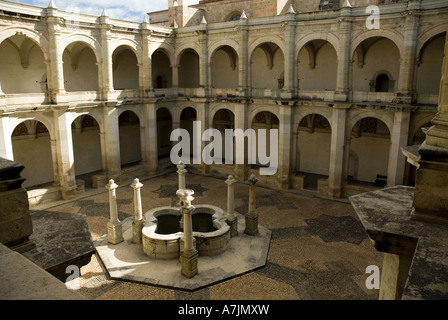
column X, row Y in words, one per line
column 346, row 4
column 104, row 13
column 51, row 5
column 243, row 15
column 291, row 9
column 203, row 21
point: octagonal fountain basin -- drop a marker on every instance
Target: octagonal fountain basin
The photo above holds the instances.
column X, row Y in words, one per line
column 162, row 232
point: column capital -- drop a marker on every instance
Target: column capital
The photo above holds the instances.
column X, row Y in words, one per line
column 136, row 184
column 111, row 185
column 230, row 180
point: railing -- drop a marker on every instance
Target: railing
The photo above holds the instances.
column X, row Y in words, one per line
column 363, row 96
column 390, row 1
column 25, row 99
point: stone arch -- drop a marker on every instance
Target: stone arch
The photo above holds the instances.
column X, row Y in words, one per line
column 394, row 36
column 33, row 150
column 222, row 43
column 164, row 118
column 127, row 76
column 37, row 37
column 130, row 136
column 222, row 73
column 218, row 107
column 429, row 34
column 165, row 48
column 386, row 118
column 372, row 149
column 89, row 41
column 82, row 72
column 185, row 47
column 22, row 61
column 161, row 69
column 189, row 62
column 131, row 44
column 257, row 109
column 86, row 141
column 304, row 40
column 266, row 39
column 313, row 147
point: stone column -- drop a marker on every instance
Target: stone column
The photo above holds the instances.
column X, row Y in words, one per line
column 189, row 255
column 5, row 138
column 56, row 90
column 343, row 69
column 114, row 230
column 251, row 218
column 284, row 146
column 175, row 76
column 431, row 185
column 107, row 84
column 408, row 59
column 145, row 83
column 399, row 139
column 243, row 57
column 288, row 90
column 241, row 122
column 137, row 224
column 181, row 173
column 65, row 156
column 203, row 60
column 112, row 141
column 151, row 138
column 231, row 218
column 337, row 149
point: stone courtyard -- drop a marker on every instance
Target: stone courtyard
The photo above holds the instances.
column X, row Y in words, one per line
column 318, row 251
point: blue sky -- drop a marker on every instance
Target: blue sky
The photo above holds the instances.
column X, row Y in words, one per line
column 130, row 10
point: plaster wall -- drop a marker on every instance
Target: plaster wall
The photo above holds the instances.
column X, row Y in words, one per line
column 14, row 78
column 314, row 151
column 373, row 157
column 189, row 70
column 429, row 71
column 35, row 154
column 223, row 76
column 264, row 77
column 323, row 75
column 130, row 144
column 126, row 71
column 87, row 150
column 382, row 57
column 82, row 77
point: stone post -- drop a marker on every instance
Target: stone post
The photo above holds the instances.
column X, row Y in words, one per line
column 115, row 233
column 181, row 172
column 251, row 217
column 431, row 185
column 189, row 255
column 137, row 225
column 231, row 218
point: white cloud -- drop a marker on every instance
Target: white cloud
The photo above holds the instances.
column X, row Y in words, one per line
column 131, row 10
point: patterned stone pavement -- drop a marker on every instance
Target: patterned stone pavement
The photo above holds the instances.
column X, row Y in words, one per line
column 318, row 251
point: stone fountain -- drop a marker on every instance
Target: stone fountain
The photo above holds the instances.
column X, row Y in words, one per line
column 183, row 246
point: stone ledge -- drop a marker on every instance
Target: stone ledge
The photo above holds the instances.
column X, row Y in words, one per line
column 386, row 215
column 23, row 280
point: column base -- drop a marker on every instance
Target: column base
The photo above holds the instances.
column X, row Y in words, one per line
column 251, row 220
column 233, row 224
column 189, row 261
column 137, row 227
column 114, row 232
